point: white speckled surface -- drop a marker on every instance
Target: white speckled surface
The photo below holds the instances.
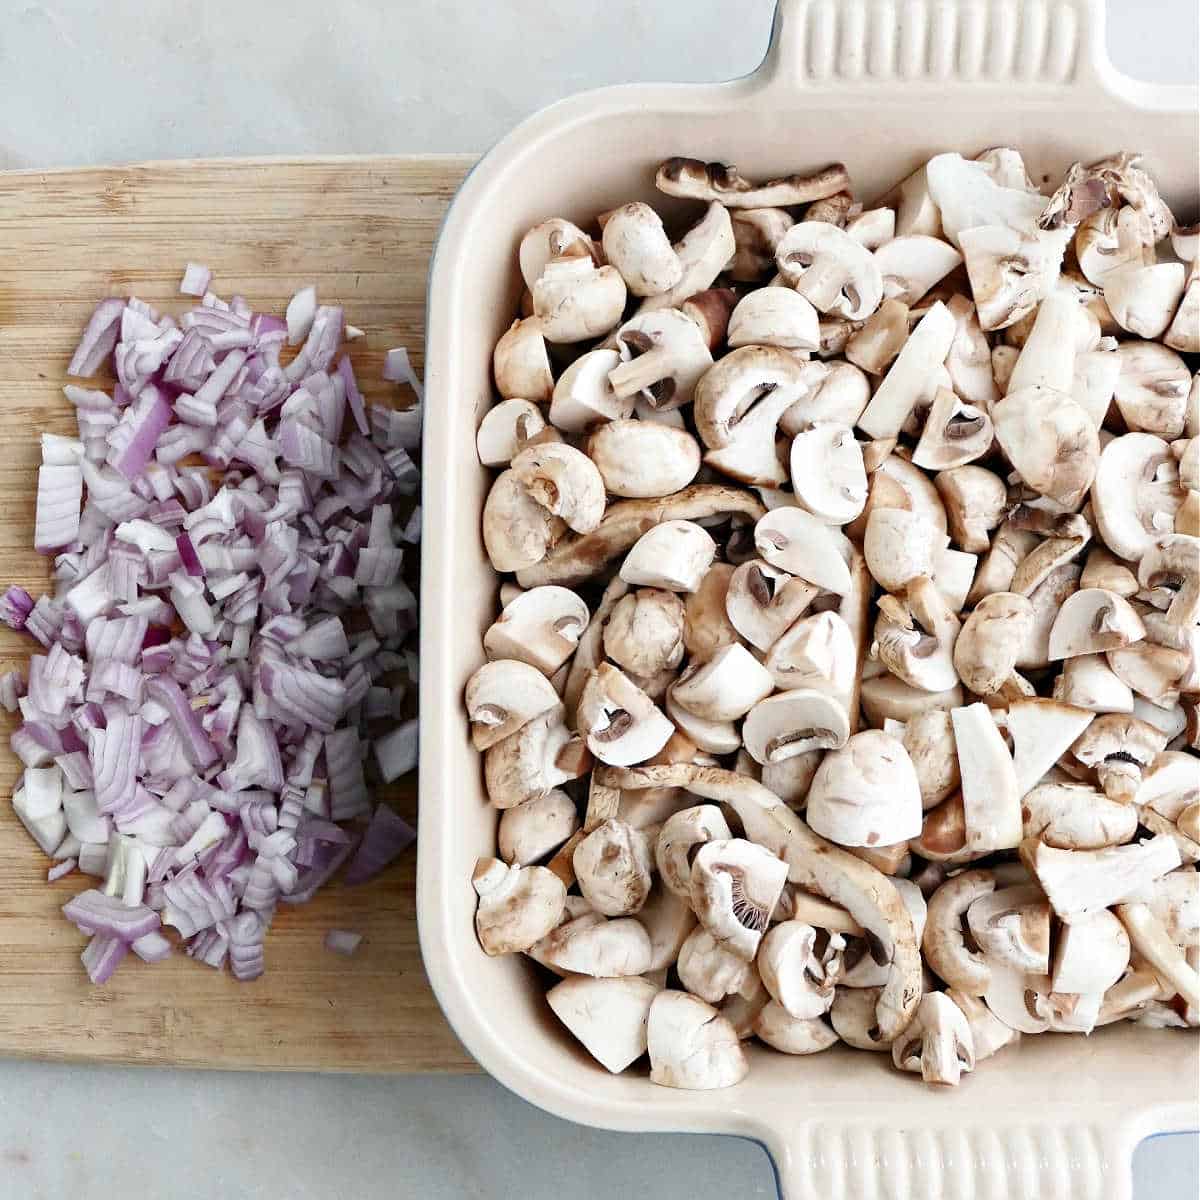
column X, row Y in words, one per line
column 84, row 82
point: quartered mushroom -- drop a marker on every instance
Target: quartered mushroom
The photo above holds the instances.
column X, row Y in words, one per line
column 506, row 429
column 990, row 642
column 574, row 300
column 608, row 1016
column 775, row 1026
column 663, row 354
column 797, row 542
column 541, row 627
column 644, row 634
column 1042, row 731
column 517, row 530
column 521, row 363
column 553, row 238
column 991, row 796
column 591, row 945
column 583, row 397
column 818, row 653
column 915, row 636
column 636, row 244
column 1136, row 493
column 621, row 723
column 535, row 829
column 504, row 695
column 673, row 555
column 1119, row 748
column 735, row 887
column 642, row 459
column 540, row 756
column 1011, row 926
column 710, row 971
column 799, row 966
column 691, row 1045
column 774, row 316
column 938, row 1044
column 517, row 906
column 762, row 602
column 794, row 722
column 725, row 687
column 830, row 269
column 681, row 837
column 612, row 868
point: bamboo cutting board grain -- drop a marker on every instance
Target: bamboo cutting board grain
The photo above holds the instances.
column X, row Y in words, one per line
column 361, row 229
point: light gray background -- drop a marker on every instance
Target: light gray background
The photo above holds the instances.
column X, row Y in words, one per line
column 83, row 81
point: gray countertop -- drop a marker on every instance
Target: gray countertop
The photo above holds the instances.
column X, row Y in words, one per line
column 83, row 82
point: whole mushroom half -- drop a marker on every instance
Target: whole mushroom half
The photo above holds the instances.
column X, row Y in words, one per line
column 844, row 684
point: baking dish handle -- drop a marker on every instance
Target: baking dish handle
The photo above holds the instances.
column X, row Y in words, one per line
column 882, row 44
column 1035, row 1158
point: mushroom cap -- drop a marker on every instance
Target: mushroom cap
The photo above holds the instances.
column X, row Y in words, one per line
column 938, row 1044
column 1152, row 388
column 713, row 737
column 691, row 1045
column 899, row 545
column 537, row 828
column 583, row 398
column 612, row 867
column 708, row 970
column 1088, row 682
column 818, row 653
column 529, row 763
column 644, row 634
column 833, row 271
column 517, row 906
column 1050, row 441
column 591, row 945
column 681, row 834
column 827, row 472
column 622, row 724
column 1171, row 568
column 990, row 641
column 886, row 696
column 735, row 887
column 836, row 392
column 673, row 555
column 575, row 300
column 725, row 687
column 1093, row 620
column 975, row 500
column 541, row 627
column 608, row 1016
column 880, row 339
column 797, row 542
column 794, row 722
column 1143, row 298
column 873, row 227
column 954, row 433
column 915, row 637
column 521, row 363
column 1091, row 954
column 517, row 530
column 866, row 793
column 794, row 970
column 502, row 696
column 783, row 1032
column 643, row 459
column 1136, row 493
column 636, row 244
column 761, row 602
column 564, row 481
column 1012, row 926
column 774, row 316
column 505, row 429
column 704, row 251
column 1047, row 599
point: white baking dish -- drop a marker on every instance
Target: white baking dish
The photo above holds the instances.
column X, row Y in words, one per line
column 880, row 85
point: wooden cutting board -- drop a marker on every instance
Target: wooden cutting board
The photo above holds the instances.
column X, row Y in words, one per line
column 362, row 230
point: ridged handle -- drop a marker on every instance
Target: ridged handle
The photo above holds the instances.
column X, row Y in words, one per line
column 1034, row 1160
column 872, row 42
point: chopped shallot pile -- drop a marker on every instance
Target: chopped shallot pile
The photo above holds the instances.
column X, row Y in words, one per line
column 230, row 633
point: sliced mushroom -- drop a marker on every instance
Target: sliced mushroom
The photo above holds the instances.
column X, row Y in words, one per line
column 735, row 887
column 954, row 434
column 1011, row 270
column 1170, row 571
column 644, row 634
column 574, row 300
column 866, row 793
column 745, row 381
column 827, row 473
column 886, row 696
column 854, row 1019
column 621, row 723
column 1042, row 731
column 694, row 179
column 1104, row 570
column 583, row 398
column 535, row 829
column 1079, row 882
column 991, row 639
column 858, row 968
column 527, row 764
column 1136, row 493
column 799, row 967
column 517, row 905
column 1152, row 388
column 506, row 429
column 541, row 627
column 550, row 239
column 691, row 1045
column 915, row 636
column 938, row 1044
column 612, row 867
column 708, row 970
column 517, row 530
column 673, row 555
column 503, row 696
column 1011, row 926
column 1050, row 441
column 1091, row 621
column 636, row 244
column 908, row 377
column 961, row 966
column 1119, row 747
column 564, row 481
column 989, row 1034
column 797, row 542
column 969, row 362
column 703, row 252
column 663, row 355
column 837, row 392
column 608, row 1016
column 762, row 601
column 1091, row 954
column 818, row 653
column 1088, row 682
column 774, row 316
column 724, row 688
column 521, row 363
column 990, row 794
column 835, row 273
column 642, row 459
column 1153, row 943
column 681, row 837
column 975, row 501
column 794, row 722
column 1153, row 671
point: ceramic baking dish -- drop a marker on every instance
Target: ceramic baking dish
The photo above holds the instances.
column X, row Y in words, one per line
column 880, row 85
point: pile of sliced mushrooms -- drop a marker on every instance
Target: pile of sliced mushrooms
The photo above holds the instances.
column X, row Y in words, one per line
column 844, row 686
